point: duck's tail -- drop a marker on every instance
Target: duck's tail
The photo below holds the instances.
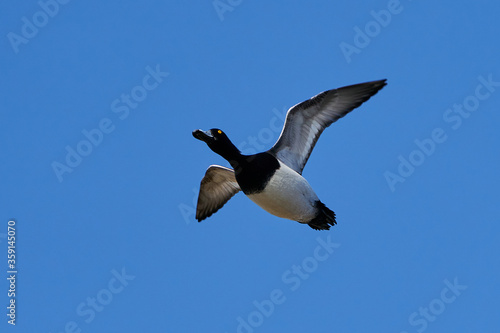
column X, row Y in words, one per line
column 324, row 219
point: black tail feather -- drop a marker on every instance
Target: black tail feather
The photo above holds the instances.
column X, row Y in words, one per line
column 324, row 219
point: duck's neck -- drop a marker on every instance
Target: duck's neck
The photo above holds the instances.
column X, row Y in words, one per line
column 233, row 156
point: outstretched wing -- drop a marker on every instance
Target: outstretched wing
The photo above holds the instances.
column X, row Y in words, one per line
column 307, row 120
column 217, row 187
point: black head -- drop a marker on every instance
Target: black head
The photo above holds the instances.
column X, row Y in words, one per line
column 218, row 141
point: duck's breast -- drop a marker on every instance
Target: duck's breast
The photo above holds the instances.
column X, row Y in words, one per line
column 288, row 195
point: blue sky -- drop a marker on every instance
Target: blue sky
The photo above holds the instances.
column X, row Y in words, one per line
column 100, row 170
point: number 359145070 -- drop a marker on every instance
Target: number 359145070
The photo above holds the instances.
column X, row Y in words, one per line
column 11, row 241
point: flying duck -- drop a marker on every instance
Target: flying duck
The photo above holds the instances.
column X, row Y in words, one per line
column 273, row 179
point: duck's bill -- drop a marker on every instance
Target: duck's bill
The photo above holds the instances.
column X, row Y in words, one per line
column 202, row 135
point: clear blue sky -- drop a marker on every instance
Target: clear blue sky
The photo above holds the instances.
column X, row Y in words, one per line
column 100, row 170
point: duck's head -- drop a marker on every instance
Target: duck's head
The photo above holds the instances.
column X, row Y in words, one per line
column 218, row 141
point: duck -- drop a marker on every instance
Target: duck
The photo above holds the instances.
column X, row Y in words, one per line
column 273, row 179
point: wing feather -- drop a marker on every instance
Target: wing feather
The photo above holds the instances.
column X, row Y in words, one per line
column 216, row 188
column 306, row 121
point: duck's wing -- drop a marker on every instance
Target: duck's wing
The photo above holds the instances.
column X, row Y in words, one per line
column 216, row 188
column 307, row 120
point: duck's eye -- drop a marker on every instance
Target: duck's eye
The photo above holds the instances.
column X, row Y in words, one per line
column 219, row 131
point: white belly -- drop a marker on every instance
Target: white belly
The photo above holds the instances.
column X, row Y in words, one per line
column 288, row 195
